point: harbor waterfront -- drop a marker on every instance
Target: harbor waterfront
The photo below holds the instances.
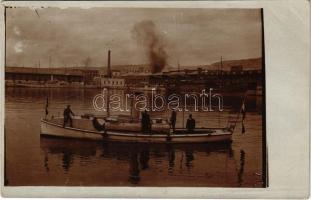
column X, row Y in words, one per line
column 35, row 160
column 137, row 97
column 236, row 75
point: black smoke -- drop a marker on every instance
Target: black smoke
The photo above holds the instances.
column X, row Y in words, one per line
column 147, row 34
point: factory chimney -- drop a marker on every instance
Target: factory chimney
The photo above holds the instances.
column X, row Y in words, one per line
column 109, row 67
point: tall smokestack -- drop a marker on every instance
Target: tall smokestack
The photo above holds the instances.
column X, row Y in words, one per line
column 108, row 67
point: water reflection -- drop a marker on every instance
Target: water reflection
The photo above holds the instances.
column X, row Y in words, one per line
column 71, row 162
column 85, row 96
column 135, row 157
column 144, row 159
column 171, row 159
column 67, row 149
column 241, row 169
column 46, row 162
column 189, row 159
column 134, row 168
column 67, row 160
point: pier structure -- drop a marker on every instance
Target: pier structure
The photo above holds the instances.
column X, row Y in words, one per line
column 43, row 74
column 50, row 77
column 229, row 75
column 247, row 79
column 244, row 79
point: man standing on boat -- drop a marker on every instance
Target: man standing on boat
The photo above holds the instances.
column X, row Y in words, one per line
column 67, row 116
column 173, row 120
column 148, row 122
column 145, row 122
column 190, row 124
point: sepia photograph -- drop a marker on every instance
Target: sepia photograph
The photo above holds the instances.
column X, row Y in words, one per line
column 136, row 97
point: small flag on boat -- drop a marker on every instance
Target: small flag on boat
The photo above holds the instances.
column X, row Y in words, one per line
column 46, row 106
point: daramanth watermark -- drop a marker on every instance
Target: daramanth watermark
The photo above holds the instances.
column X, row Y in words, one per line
column 204, row 101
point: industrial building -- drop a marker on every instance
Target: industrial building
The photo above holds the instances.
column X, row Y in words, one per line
column 112, row 78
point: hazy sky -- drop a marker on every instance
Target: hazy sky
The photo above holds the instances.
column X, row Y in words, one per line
column 69, row 36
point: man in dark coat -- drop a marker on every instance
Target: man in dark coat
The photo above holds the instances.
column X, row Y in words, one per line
column 148, row 122
column 190, row 124
column 173, row 120
column 67, row 116
column 145, row 122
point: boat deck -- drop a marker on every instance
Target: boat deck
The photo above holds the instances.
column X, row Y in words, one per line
column 55, row 127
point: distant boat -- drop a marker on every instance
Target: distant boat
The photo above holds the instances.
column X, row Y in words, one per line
column 126, row 130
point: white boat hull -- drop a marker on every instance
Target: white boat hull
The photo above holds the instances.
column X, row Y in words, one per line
column 53, row 129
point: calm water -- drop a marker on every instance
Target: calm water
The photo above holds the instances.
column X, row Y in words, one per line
column 35, row 160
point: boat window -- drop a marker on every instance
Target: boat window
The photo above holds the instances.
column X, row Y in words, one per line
column 157, row 121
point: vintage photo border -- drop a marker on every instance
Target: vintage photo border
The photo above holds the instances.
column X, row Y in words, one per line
column 286, row 58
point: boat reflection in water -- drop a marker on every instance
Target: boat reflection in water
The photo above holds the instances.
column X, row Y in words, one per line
column 67, row 149
column 144, row 164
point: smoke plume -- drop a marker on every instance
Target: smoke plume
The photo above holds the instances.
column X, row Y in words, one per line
column 147, row 35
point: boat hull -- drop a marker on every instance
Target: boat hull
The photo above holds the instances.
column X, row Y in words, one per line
column 56, row 130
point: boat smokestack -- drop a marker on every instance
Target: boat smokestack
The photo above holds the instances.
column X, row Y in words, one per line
column 109, row 67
